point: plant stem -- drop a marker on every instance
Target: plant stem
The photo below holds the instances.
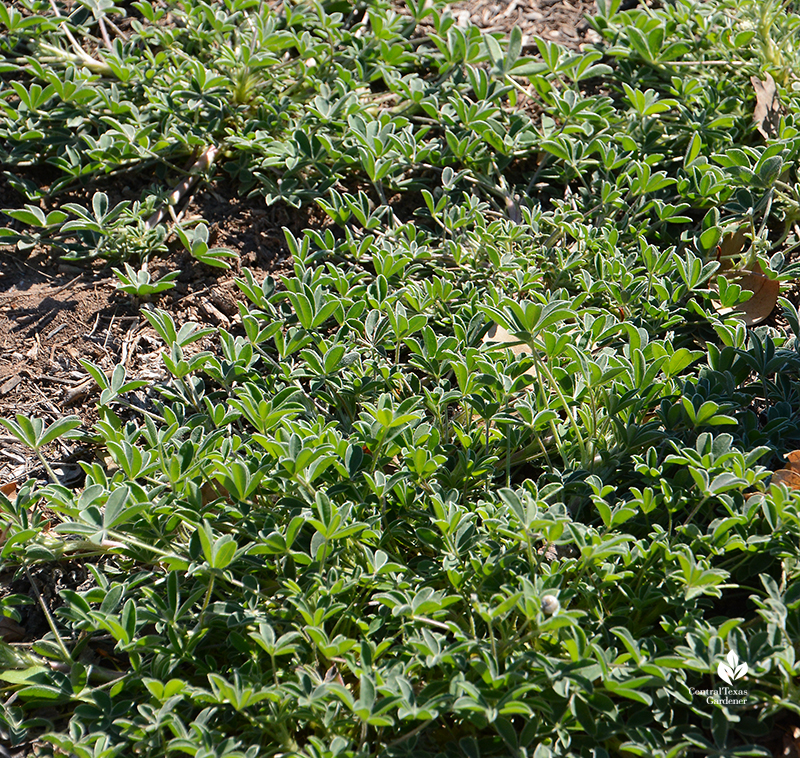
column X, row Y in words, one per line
column 200, row 166
column 567, row 409
column 50, row 472
column 50, row 622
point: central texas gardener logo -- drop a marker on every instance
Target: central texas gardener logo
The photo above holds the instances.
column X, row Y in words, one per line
column 730, row 669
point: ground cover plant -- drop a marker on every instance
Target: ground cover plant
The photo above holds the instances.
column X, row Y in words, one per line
column 490, row 472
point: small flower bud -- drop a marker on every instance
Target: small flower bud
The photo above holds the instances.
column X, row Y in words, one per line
column 550, row 605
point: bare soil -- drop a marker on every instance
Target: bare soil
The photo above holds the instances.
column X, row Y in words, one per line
column 53, row 315
column 561, row 21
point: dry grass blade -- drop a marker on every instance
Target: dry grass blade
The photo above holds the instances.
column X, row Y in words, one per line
column 200, row 166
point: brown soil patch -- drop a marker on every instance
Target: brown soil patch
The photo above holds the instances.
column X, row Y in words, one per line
column 50, row 321
column 561, row 21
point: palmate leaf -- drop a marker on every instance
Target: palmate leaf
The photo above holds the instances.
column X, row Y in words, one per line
column 34, row 433
column 25, row 430
column 57, row 429
column 526, row 319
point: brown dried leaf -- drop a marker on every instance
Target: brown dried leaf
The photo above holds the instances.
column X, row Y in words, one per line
column 9, row 384
column 784, row 476
column 756, row 497
column 765, row 296
column 761, row 303
column 549, row 551
column 9, row 489
column 211, row 491
column 10, row 630
column 730, row 246
column 498, row 338
column 767, row 113
column 793, row 461
column 512, row 208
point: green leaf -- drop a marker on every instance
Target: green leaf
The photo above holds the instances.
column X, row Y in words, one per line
column 24, row 429
column 31, row 215
column 630, row 694
column 24, row 675
column 224, row 550
column 58, row 429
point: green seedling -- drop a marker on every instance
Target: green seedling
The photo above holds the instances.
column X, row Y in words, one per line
column 139, row 283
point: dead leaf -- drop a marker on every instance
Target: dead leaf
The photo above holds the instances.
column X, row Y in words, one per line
column 761, row 303
column 793, row 461
column 756, row 497
column 9, row 489
column 10, row 384
column 333, row 675
column 214, row 313
column 767, row 113
column 10, row 630
column 765, row 296
column 549, row 551
column 210, row 492
column 789, row 478
column 498, row 338
column 501, row 335
column 730, row 246
column 512, row 208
